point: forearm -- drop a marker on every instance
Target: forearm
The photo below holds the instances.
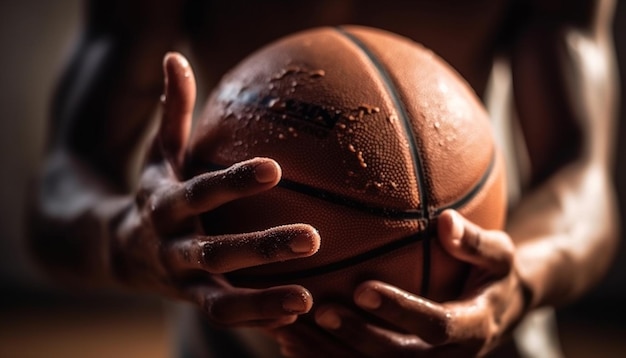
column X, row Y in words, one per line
column 566, row 234
column 99, row 121
column 101, row 113
column 72, row 223
column 565, row 228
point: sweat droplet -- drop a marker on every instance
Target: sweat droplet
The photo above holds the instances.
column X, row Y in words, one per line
column 273, row 102
column 362, row 163
column 317, row 73
column 369, row 109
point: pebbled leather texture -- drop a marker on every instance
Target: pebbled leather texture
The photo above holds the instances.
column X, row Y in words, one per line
column 375, row 135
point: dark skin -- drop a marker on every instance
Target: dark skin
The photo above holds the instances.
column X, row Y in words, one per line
column 102, row 218
column 158, row 245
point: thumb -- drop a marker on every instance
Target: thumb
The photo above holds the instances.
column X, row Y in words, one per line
column 488, row 249
column 178, row 105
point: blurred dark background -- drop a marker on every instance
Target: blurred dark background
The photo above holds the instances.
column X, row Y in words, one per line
column 38, row 319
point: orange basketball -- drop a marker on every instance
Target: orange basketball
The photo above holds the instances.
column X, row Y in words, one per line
column 376, row 136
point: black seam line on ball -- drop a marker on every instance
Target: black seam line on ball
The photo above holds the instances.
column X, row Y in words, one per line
column 418, row 164
column 394, row 214
column 376, row 252
column 349, row 202
column 402, row 114
column 462, row 201
column 337, row 199
column 335, row 266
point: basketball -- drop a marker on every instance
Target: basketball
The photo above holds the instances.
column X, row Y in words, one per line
column 376, row 136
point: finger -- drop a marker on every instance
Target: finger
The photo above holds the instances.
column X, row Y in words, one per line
column 414, row 314
column 210, row 190
column 237, row 307
column 444, row 328
column 178, row 104
column 367, row 338
column 221, row 254
column 487, row 249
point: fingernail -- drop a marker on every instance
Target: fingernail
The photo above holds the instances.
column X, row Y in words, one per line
column 266, row 172
column 301, row 244
column 328, row 319
column 369, row 299
column 183, row 62
column 294, row 304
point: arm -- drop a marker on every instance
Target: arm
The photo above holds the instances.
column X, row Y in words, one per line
column 99, row 219
column 565, row 83
column 102, row 108
column 559, row 240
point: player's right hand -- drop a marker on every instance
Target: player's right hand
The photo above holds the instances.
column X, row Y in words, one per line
column 160, row 245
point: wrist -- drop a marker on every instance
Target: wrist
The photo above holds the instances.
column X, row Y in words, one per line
column 532, row 267
column 526, row 294
column 114, row 212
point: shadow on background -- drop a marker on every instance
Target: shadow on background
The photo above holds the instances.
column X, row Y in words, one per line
column 41, row 320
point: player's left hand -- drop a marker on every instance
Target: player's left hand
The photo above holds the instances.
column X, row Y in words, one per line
column 405, row 324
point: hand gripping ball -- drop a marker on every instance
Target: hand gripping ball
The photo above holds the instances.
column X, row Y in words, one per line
column 376, row 136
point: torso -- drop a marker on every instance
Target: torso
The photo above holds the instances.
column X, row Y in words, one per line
column 467, row 34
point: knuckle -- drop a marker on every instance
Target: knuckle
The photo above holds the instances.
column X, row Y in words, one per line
column 509, row 250
column 217, row 306
column 213, row 259
column 491, row 333
column 161, row 204
column 206, row 191
column 272, row 245
column 154, row 212
column 209, row 308
column 238, row 177
column 196, row 189
column 210, row 189
column 153, row 206
column 142, row 196
column 442, row 329
column 503, row 263
column 473, row 241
